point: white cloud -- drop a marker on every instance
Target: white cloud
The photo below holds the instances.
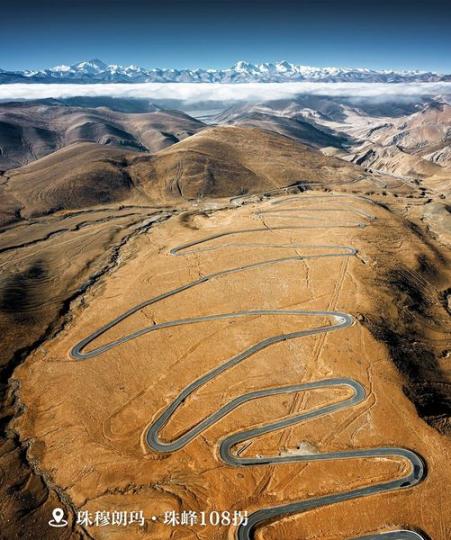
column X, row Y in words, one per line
column 192, row 92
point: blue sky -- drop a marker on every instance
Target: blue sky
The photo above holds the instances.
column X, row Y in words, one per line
column 395, row 34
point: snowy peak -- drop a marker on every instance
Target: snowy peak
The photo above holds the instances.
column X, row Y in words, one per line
column 242, row 66
column 97, row 71
column 284, row 66
column 91, row 66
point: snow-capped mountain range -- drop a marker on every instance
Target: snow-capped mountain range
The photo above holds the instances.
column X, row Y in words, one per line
column 96, row 71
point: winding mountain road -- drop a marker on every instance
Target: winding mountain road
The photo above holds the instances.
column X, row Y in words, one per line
column 337, row 321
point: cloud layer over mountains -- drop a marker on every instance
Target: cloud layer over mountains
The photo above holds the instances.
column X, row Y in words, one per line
column 195, row 92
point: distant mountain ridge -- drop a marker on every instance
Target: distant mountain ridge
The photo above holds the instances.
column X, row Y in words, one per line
column 96, row 71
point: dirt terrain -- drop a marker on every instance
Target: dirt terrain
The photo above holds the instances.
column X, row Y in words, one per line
column 82, row 424
column 226, row 317
column 29, row 131
column 219, row 162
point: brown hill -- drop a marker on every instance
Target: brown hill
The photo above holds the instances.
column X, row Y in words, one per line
column 425, row 129
column 226, row 161
column 78, row 176
column 425, row 134
column 218, row 162
column 286, row 122
column 394, row 160
column 31, row 131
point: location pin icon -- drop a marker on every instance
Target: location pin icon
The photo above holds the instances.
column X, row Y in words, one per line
column 58, row 514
